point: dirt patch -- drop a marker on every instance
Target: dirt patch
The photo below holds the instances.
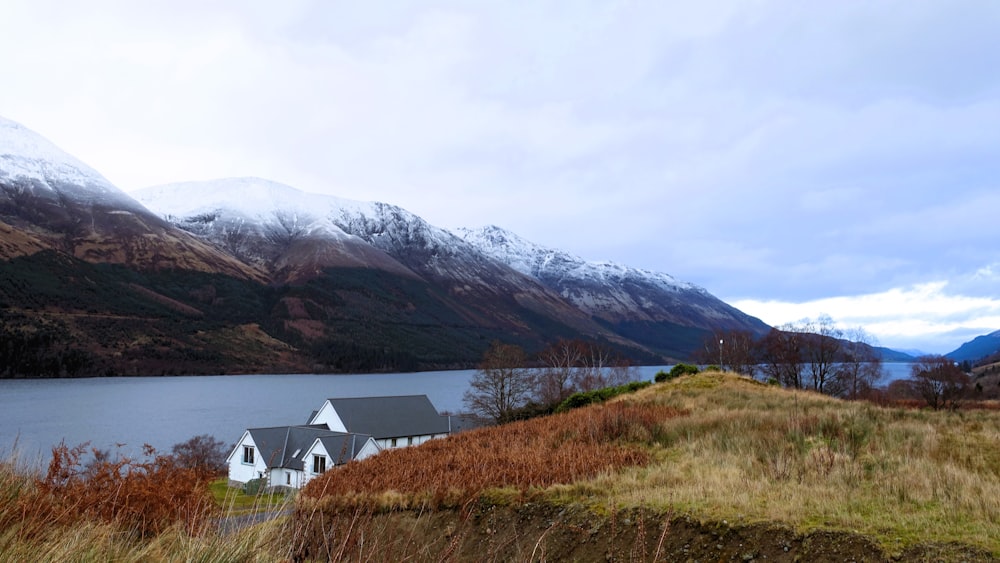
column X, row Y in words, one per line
column 543, row 532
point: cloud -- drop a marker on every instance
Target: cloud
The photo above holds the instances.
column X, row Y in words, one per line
column 926, row 316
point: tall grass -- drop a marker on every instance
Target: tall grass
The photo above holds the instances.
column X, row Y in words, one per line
column 750, row 453
column 531, row 454
column 120, row 510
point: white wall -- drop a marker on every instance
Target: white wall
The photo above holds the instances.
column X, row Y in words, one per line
column 402, row 442
column 241, row 472
column 328, row 415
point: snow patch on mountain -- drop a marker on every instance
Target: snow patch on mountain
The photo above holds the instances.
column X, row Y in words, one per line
column 541, row 263
column 33, row 162
column 253, row 200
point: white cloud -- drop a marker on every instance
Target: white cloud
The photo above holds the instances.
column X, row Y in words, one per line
column 924, row 316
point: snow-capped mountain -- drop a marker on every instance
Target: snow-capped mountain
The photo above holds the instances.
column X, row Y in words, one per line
column 612, row 292
column 51, row 200
column 287, row 232
column 268, row 222
column 37, row 166
column 249, row 274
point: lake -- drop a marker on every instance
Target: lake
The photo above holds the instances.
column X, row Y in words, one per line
column 162, row 411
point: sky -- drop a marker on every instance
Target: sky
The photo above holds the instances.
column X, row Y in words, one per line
column 793, row 158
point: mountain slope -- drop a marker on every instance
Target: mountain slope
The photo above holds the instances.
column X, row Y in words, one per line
column 271, row 225
column 49, row 199
column 977, row 348
column 351, row 234
column 627, row 299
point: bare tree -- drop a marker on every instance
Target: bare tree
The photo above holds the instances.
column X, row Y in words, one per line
column 733, row 350
column 783, row 355
column 591, row 374
column 561, row 360
column 203, row 453
column 822, row 346
column 502, row 383
column 940, row 382
column 860, row 365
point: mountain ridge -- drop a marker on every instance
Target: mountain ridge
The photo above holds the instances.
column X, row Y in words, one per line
column 249, row 274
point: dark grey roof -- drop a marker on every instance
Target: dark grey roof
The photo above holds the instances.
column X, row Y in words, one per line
column 390, row 417
column 283, row 446
column 343, row 447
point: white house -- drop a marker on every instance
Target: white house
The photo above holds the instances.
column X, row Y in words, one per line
column 290, row 456
column 341, row 430
column 394, row 422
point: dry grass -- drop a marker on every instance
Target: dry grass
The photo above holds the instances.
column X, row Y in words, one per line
column 122, row 510
column 531, row 454
column 750, row 453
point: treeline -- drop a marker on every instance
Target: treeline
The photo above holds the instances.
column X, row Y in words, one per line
column 819, row 356
column 41, row 350
column 815, row 355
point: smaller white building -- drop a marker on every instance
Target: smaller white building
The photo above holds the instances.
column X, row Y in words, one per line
column 290, row 456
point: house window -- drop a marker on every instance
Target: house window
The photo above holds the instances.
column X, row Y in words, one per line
column 288, row 478
column 409, row 441
column 392, row 444
column 248, row 455
column 319, row 464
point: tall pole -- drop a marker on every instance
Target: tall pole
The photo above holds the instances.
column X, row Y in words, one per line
column 720, row 353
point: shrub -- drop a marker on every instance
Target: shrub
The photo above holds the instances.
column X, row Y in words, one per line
column 146, row 497
column 254, row 487
column 675, row 372
column 584, row 398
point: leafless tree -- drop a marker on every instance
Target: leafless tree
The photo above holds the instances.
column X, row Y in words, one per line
column 860, row 365
column 940, row 382
column 822, row 346
column 782, row 352
column 560, row 361
column 502, row 384
column 203, row 452
column 733, row 350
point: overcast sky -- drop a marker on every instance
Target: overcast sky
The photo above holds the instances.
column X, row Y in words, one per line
column 793, row 158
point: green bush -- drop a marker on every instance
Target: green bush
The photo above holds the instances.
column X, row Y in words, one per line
column 254, row 487
column 682, row 369
column 582, row 399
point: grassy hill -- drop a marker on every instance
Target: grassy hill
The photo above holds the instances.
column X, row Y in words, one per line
column 707, row 467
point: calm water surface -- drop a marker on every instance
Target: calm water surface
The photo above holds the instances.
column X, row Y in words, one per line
column 162, row 411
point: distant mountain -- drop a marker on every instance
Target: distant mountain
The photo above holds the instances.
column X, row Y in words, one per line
column 890, row 355
column 247, row 275
column 977, row 349
column 652, row 308
column 912, row 352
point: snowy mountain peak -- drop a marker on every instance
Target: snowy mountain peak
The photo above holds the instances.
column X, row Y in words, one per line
column 34, row 163
column 251, row 197
column 24, row 153
column 540, row 262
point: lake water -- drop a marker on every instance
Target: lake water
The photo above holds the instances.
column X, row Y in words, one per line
column 162, row 411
